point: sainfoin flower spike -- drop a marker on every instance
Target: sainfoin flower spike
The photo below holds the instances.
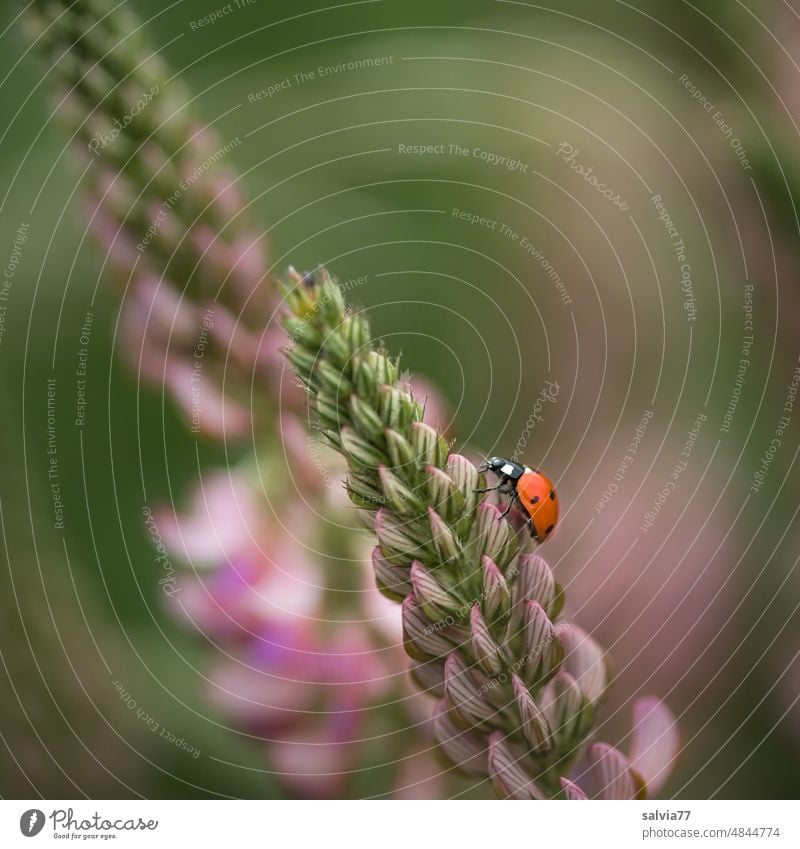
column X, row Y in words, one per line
column 519, row 690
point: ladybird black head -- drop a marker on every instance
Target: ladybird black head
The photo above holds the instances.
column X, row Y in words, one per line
column 493, row 464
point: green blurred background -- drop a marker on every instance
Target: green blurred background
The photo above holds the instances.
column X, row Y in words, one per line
column 702, row 607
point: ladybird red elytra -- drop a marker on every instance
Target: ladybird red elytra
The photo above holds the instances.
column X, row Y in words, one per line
column 531, row 490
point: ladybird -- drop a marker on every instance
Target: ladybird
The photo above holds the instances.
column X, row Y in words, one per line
column 528, row 488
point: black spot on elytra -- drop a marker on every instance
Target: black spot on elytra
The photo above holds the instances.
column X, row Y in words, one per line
column 535, row 499
column 552, row 495
column 549, row 528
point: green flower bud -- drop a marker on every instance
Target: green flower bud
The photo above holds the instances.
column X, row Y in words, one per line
column 444, row 495
column 367, row 421
column 423, row 640
column 359, row 450
column 435, row 600
column 400, row 450
column 494, row 534
column 443, row 540
column 425, row 442
column 397, row 545
column 398, row 495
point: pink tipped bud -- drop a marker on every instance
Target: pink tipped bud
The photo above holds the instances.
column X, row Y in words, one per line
column 543, row 650
column 496, row 595
column 397, row 546
column 494, row 534
column 422, row 638
column 434, row 598
column 464, row 695
column 485, row 649
column 507, row 770
column 465, row 749
column 443, row 538
column 535, row 582
column 393, row 581
column 445, row 496
column 466, row 478
column 534, row 724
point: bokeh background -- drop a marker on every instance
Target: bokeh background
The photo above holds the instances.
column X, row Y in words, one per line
column 546, row 280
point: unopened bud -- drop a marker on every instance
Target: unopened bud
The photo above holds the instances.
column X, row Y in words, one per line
column 534, row 723
column 393, row 581
column 494, row 534
column 444, row 496
column 496, row 595
column 443, row 539
column 435, row 600
column 463, row 693
column 485, row 649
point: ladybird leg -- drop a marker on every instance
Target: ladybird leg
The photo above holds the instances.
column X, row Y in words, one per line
column 489, row 488
column 511, row 501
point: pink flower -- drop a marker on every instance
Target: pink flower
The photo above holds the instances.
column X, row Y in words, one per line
column 218, row 525
column 655, row 743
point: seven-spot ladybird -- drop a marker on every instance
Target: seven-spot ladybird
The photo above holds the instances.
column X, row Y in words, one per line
column 528, row 487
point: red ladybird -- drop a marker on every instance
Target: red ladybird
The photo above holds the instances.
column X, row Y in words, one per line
column 528, row 488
